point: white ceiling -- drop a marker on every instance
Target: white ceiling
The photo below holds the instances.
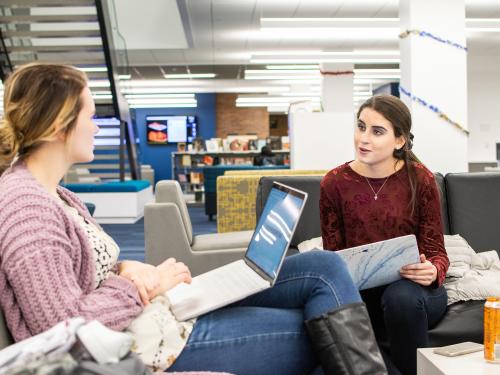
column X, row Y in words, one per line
column 226, row 32
column 220, row 36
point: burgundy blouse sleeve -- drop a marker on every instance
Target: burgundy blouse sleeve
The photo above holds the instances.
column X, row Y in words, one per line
column 430, row 233
column 330, row 216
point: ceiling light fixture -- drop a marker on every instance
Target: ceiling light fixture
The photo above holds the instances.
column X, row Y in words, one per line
column 326, row 60
column 158, row 96
column 162, row 101
column 163, row 105
column 98, row 83
column 92, row 69
column 189, row 75
column 390, row 25
column 296, row 67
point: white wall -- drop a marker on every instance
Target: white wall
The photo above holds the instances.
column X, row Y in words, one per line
column 484, row 107
column 320, row 140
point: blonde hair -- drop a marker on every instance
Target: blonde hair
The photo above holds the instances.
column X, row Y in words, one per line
column 37, row 97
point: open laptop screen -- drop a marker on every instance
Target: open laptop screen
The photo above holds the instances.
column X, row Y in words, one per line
column 275, row 228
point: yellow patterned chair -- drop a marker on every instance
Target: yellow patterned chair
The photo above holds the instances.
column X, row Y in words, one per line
column 236, row 194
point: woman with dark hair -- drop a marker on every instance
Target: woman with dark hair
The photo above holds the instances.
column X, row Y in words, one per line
column 385, row 193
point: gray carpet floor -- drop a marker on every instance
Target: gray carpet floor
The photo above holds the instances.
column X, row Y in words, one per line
column 130, row 237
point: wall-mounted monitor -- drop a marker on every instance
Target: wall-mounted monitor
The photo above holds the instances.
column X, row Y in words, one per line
column 171, row 129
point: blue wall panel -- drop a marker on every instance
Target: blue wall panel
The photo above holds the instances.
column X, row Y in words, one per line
column 158, row 156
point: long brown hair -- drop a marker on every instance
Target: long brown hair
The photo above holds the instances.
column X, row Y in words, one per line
column 398, row 114
column 37, row 97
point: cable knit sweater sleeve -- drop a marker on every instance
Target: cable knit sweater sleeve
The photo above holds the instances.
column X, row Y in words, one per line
column 47, row 277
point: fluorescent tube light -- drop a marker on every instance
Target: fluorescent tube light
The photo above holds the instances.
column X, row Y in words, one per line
column 357, row 53
column 102, row 97
column 98, row 83
column 188, row 76
column 327, row 60
column 162, row 101
column 288, row 67
column 92, row 69
column 259, row 72
column 158, row 96
column 292, row 77
column 124, row 76
column 324, row 24
column 163, row 105
column 483, row 29
column 275, row 99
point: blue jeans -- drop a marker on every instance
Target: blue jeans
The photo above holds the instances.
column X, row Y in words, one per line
column 402, row 312
column 264, row 333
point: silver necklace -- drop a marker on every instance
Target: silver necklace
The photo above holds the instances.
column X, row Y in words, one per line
column 375, row 194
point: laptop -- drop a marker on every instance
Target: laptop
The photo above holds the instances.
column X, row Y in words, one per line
column 257, row 271
column 376, row 264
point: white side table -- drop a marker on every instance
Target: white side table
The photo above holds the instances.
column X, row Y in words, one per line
column 429, row 363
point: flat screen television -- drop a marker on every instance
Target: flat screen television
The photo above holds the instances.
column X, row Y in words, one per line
column 171, row 129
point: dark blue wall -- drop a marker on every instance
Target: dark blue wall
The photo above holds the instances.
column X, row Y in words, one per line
column 158, row 156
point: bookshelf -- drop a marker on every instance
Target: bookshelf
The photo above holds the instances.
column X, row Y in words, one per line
column 187, row 167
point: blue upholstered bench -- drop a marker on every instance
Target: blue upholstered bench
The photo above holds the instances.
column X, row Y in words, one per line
column 116, row 202
column 109, row 187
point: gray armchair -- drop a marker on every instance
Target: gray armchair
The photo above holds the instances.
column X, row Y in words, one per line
column 168, row 233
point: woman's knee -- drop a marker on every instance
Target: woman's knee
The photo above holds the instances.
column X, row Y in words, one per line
column 403, row 298
column 324, row 262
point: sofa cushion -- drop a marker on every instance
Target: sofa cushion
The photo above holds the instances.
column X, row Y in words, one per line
column 440, row 182
column 474, row 207
column 463, row 321
column 309, row 225
column 221, row 241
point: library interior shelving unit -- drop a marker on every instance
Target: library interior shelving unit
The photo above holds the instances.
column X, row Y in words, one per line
column 187, row 167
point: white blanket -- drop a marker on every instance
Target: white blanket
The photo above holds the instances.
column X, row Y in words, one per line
column 471, row 275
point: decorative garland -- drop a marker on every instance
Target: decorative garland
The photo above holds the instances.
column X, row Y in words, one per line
column 433, row 109
column 337, row 73
column 421, row 33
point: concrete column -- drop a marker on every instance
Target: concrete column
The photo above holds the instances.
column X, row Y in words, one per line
column 323, row 140
column 337, row 90
column 436, row 72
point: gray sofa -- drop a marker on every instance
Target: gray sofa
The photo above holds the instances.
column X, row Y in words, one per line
column 470, row 206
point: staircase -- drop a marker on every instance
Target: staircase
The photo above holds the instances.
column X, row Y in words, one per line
column 79, row 33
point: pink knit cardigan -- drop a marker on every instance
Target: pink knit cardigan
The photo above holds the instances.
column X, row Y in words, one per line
column 47, row 269
column 46, row 263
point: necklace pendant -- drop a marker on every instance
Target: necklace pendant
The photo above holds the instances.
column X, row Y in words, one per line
column 375, row 196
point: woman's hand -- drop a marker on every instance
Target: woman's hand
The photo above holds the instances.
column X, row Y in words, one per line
column 146, row 278
column 172, row 273
column 423, row 273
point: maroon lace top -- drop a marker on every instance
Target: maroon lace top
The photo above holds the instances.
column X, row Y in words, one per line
column 351, row 216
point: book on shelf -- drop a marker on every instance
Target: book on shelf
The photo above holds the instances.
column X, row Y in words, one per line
column 212, row 145
column 186, row 160
column 195, row 177
column 182, row 178
column 285, row 143
column 208, row 160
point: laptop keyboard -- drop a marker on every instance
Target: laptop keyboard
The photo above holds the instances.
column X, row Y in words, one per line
column 234, row 279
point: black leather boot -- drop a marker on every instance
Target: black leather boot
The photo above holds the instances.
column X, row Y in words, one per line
column 344, row 342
